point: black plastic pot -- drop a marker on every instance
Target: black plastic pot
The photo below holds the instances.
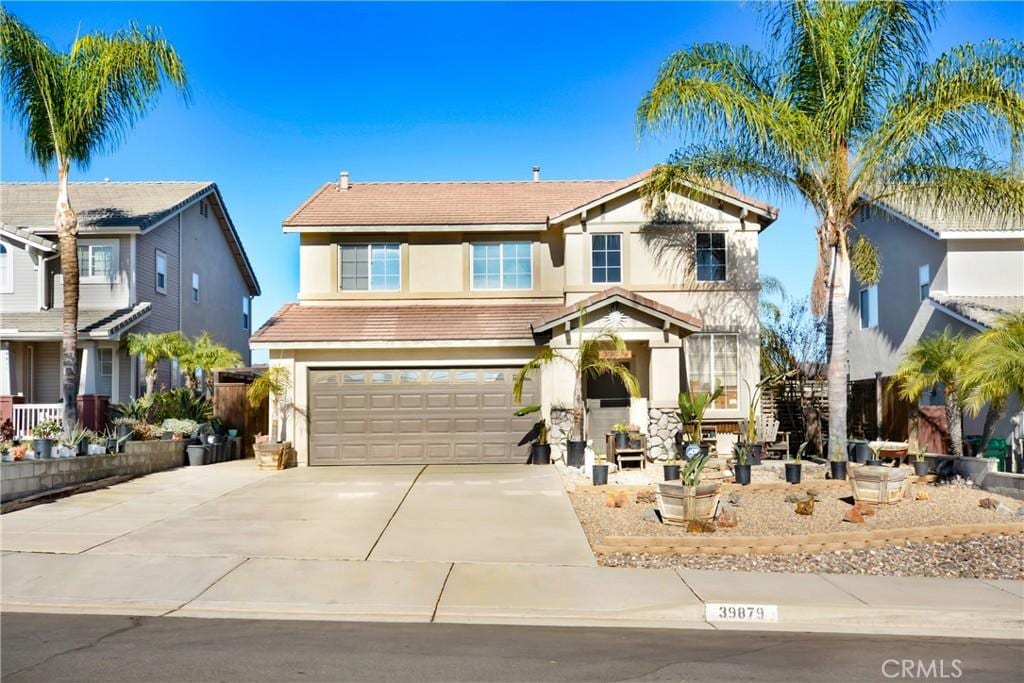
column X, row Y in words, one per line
column 83, row 447
column 600, row 475
column 742, row 474
column 671, row 472
column 43, row 448
column 754, row 455
column 574, row 451
column 838, row 468
column 871, row 462
column 540, row 454
column 123, row 431
column 861, row 452
column 793, row 472
column 621, row 440
column 196, row 455
column 111, row 445
column 920, row 467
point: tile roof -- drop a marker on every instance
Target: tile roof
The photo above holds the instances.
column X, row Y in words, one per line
column 939, row 220
column 334, row 323
column 460, row 203
column 620, row 294
column 102, row 323
column 984, row 310
column 29, row 237
column 99, row 205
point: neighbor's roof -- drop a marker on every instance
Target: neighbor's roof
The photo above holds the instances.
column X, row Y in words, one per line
column 983, row 310
column 939, row 221
column 26, row 236
column 105, row 323
column 613, row 295
column 108, row 206
column 463, row 203
column 297, row 323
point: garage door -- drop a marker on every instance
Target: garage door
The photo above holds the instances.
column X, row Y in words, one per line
column 429, row 416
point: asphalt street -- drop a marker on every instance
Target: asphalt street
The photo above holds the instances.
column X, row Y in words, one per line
column 41, row 647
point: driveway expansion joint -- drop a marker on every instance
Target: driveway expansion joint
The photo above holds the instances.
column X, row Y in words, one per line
column 394, row 512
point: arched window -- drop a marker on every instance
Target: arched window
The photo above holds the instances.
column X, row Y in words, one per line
column 6, row 270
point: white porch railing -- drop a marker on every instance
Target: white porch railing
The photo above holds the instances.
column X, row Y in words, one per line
column 28, row 415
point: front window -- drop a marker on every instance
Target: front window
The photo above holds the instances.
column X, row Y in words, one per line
column 161, row 272
column 712, row 360
column 710, row 256
column 106, row 362
column 6, row 270
column 195, row 288
column 245, row 312
column 97, row 261
column 503, row 265
column 924, row 281
column 370, row 267
column 605, row 258
column 869, row 307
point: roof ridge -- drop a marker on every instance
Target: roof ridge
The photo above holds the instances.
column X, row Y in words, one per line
column 110, row 182
column 485, row 182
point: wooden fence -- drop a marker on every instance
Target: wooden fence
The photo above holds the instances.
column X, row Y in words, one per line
column 232, row 406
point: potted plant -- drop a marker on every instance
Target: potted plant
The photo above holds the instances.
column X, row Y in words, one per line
column 19, row 453
column 670, row 469
column 97, row 444
column 920, row 464
column 77, row 441
column 690, row 500
column 692, row 406
column 837, row 463
column 859, row 451
column 540, row 449
column 874, row 460
column 5, row 451
column 178, row 428
column 587, row 361
column 794, row 466
column 742, row 467
column 43, row 435
column 600, row 473
column 275, row 383
column 621, row 433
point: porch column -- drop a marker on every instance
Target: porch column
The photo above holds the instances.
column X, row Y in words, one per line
column 664, row 373
column 87, row 372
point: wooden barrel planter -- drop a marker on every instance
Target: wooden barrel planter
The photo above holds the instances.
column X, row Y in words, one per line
column 681, row 504
column 274, row 456
column 879, row 485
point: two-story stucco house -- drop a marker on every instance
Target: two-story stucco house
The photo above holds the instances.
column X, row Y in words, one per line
column 938, row 272
column 153, row 257
column 420, row 301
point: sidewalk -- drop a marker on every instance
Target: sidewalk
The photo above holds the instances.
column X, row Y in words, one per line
column 508, row 594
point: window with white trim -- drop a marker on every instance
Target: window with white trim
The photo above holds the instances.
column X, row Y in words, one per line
column 373, row 267
column 869, row 307
column 106, row 362
column 195, row 288
column 502, row 265
column 245, row 312
column 97, row 260
column 924, row 281
column 6, row 269
column 712, row 360
column 161, row 272
column 711, row 257
column 605, row 258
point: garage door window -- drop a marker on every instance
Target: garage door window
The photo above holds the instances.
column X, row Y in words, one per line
column 411, row 378
column 382, row 378
column 370, row 267
column 494, row 377
column 439, row 377
column 354, row 378
column 465, row 376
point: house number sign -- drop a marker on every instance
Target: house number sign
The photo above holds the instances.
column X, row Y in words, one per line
column 731, row 611
column 612, row 354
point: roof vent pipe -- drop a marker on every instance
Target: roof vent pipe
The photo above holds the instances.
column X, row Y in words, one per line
column 536, row 174
column 343, row 181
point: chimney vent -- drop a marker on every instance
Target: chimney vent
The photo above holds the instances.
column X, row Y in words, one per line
column 343, row 181
column 536, row 174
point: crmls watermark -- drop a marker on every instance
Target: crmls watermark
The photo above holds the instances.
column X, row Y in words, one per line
column 924, row 669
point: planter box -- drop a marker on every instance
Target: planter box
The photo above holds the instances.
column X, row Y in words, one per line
column 274, row 456
column 879, row 485
column 681, row 504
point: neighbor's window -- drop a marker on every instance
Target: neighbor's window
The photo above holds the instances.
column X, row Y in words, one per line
column 370, row 267
column 106, row 362
column 161, row 272
column 710, row 256
column 869, row 307
column 712, row 361
column 6, row 269
column 97, row 261
column 605, row 258
column 502, row 265
column 245, row 312
column 924, row 281
column 195, row 288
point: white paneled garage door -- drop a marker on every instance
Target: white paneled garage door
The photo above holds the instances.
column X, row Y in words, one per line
column 428, row 416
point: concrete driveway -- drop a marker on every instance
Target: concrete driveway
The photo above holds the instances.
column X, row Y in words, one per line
column 448, row 513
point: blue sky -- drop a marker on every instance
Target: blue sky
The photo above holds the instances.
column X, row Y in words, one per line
column 285, row 95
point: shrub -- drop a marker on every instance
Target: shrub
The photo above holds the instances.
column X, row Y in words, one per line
column 47, row 429
column 182, row 403
column 135, row 409
column 177, row 426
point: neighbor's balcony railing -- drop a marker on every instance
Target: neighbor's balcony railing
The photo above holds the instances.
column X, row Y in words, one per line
column 28, row 415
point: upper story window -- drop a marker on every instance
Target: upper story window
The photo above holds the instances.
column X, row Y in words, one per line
column 711, row 257
column 161, row 272
column 97, row 260
column 6, row 269
column 502, row 265
column 370, row 267
column 712, row 360
column 195, row 288
column 605, row 258
column 869, row 307
column 245, row 312
column 924, row 281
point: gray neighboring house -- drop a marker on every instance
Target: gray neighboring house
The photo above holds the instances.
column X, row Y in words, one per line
column 153, row 257
column 938, row 272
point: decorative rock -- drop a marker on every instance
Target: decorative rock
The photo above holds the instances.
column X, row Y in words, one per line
column 805, row 507
column 988, row 503
column 1004, row 509
column 864, row 508
column 734, row 499
column 727, row 517
column 853, row 515
column 1020, row 511
column 791, row 498
column 922, row 495
column 615, row 500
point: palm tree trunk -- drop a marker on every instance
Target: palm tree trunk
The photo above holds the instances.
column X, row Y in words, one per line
column 66, row 222
column 954, row 423
column 996, row 409
column 577, row 408
column 839, row 286
column 150, row 378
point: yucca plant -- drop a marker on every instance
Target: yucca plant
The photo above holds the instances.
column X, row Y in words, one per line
column 994, row 370
column 932, row 361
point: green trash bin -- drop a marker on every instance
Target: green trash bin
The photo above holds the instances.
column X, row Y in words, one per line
column 973, row 444
column 996, row 450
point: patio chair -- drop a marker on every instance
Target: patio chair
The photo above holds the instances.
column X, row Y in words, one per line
column 775, row 442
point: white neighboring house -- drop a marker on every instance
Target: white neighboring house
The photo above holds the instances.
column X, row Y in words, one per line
column 938, row 271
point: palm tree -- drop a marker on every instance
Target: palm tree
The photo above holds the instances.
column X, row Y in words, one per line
column 74, row 104
column 844, row 111
column 276, row 381
column 994, row 368
column 154, row 347
column 936, row 360
column 587, row 360
column 205, row 355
